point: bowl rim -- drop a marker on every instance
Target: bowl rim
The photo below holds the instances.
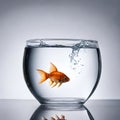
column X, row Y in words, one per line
column 61, row 42
column 62, row 39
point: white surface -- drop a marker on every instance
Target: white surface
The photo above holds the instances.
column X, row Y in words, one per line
column 17, row 109
column 26, row 109
column 22, row 20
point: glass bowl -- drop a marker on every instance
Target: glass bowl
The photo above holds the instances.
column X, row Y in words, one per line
column 53, row 112
column 62, row 70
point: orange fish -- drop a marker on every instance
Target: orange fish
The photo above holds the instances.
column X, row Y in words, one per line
column 57, row 118
column 55, row 76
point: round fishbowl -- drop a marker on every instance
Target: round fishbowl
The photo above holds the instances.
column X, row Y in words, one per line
column 62, row 70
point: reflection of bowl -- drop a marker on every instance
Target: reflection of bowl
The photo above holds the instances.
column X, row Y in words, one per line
column 62, row 112
column 62, row 70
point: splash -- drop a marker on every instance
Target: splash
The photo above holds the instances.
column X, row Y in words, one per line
column 75, row 58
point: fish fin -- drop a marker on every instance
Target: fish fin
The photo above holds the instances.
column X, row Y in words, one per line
column 60, row 84
column 57, row 117
column 55, row 83
column 62, row 117
column 52, row 68
column 44, row 75
column 52, row 118
column 51, row 82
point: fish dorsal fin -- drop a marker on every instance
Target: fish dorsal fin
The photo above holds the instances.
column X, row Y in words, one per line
column 52, row 68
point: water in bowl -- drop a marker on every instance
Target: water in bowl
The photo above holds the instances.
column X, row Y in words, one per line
column 80, row 63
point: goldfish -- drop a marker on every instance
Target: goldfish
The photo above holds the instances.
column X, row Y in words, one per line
column 57, row 118
column 56, row 77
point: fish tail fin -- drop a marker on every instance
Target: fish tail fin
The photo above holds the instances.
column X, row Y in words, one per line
column 44, row 76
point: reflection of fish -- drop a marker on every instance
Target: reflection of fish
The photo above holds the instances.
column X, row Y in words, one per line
column 57, row 118
column 55, row 76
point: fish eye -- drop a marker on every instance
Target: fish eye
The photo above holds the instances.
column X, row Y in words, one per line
column 65, row 78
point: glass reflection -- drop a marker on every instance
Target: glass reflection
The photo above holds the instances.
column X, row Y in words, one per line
column 62, row 112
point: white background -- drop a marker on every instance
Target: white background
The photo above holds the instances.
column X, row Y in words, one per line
column 21, row 20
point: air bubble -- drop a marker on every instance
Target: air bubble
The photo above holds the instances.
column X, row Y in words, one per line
column 75, row 58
